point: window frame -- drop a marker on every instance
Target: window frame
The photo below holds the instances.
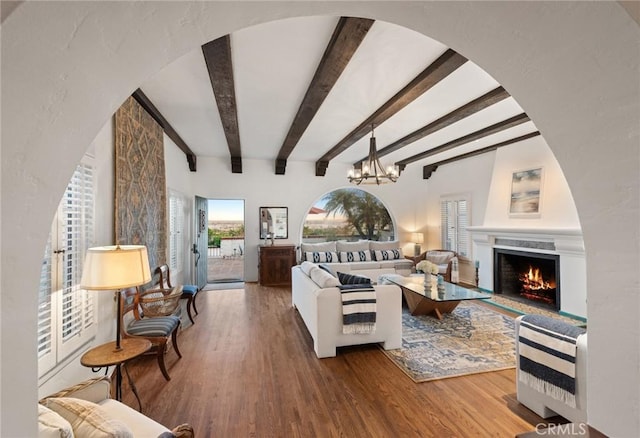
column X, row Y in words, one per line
column 72, row 311
column 457, row 223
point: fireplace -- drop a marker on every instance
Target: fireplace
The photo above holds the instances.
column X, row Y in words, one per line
column 527, row 276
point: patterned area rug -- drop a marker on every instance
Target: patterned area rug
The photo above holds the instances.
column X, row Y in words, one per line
column 472, row 339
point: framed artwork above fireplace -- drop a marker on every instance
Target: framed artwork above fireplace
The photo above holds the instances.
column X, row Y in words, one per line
column 526, row 191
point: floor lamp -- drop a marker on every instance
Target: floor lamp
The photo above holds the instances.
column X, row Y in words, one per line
column 115, row 268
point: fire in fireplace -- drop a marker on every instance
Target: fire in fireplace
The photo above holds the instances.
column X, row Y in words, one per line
column 527, row 275
column 535, row 287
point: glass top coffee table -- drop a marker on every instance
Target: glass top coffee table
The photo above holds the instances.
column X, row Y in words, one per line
column 423, row 302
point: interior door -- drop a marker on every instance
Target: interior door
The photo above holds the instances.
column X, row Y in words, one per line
column 202, row 239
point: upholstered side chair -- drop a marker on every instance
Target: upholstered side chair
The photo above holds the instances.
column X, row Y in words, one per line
column 157, row 329
column 189, row 291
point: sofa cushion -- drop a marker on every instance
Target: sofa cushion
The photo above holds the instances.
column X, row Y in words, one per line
column 326, row 267
column 384, row 246
column 358, row 266
column 88, row 419
column 391, row 254
column 355, row 256
column 362, row 245
column 352, row 279
column 307, row 267
column 321, row 257
column 317, row 247
column 52, row 425
column 323, row 279
column 141, row 425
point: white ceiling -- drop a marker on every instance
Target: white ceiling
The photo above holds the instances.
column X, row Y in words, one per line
column 273, row 65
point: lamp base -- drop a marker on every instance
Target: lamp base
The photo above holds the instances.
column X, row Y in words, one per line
column 416, row 249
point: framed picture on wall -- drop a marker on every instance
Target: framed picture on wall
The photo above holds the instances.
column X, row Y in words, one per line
column 526, row 191
column 274, row 222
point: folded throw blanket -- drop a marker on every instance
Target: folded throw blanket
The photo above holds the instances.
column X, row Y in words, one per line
column 358, row 308
column 547, row 349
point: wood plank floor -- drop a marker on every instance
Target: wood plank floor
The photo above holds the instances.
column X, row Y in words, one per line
column 249, row 370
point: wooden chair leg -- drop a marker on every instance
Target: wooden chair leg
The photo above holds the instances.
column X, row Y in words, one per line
column 163, row 368
column 174, row 339
column 193, row 302
column 189, row 305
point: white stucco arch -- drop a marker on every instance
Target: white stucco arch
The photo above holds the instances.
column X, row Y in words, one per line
column 66, row 67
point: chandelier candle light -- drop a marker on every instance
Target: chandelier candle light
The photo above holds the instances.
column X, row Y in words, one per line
column 115, row 268
column 371, row 171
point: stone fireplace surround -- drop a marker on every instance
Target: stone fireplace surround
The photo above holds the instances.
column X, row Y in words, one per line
column 567, row 243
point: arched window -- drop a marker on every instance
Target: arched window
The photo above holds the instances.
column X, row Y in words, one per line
column 348, row 214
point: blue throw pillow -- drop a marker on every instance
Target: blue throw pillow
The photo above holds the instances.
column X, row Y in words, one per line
column 352, row 279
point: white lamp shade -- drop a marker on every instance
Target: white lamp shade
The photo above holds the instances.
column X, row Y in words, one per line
column 115, row 267
column 417, row 237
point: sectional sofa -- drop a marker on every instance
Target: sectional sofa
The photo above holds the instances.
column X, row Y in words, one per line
column 365, row 257
column 316, row 296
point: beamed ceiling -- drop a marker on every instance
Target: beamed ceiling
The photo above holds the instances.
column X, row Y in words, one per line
column 310, row 89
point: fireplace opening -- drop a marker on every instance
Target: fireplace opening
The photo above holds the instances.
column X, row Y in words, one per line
column 528, row 276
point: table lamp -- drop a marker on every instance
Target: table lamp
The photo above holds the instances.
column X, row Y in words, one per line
column 115, row 268
column 417, row 239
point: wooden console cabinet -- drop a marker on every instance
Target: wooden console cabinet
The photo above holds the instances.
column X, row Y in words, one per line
column 275, row 263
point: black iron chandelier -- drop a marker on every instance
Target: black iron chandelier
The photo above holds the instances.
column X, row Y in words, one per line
column 371, row 171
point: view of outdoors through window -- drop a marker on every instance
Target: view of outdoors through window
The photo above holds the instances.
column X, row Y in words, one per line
column 348, row 214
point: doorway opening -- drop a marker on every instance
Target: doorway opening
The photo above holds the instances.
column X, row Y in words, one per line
column 225, row 244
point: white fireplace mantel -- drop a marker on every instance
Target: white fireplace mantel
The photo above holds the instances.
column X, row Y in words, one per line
column 565, row 242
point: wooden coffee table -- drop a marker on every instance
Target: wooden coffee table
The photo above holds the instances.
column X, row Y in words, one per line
column 423, row 302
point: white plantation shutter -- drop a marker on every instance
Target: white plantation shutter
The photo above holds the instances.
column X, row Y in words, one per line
column 66, row 317
column 176, row 231
column 454, row 216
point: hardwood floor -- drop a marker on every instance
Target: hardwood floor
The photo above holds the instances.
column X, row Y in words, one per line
column 248, row 369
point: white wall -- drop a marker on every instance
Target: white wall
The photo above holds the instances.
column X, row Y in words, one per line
column 573, row 67
column 259, row 186
column 557, row 207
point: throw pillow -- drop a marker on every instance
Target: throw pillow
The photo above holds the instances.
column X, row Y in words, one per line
column 355, row 256
column 326, row 267
column 52, row 425
column 352, row 279
column 394, row 254
column 306, row 267
column 88, row 419
column 322, row 257
column 316, row 247
column 323, row 279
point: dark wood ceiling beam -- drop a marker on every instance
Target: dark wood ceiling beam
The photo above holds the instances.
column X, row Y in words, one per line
column 344, row 42
column 482, row 102
column 150, row 108
column 489, row 130
column 217, row 56
column 442, row 67
column 428, row 169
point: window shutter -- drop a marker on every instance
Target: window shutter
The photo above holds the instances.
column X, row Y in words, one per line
column 454, row 217
column 66, row 313
column 176, row 226
column 46, row 353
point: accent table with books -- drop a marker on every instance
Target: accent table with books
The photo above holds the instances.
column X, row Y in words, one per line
column 421, row 302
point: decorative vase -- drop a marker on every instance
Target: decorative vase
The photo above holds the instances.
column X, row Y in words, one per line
column 428, row 280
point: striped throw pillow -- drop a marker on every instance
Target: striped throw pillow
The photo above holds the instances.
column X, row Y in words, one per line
column 355, row 256
column 322, row 257
column 393, row 254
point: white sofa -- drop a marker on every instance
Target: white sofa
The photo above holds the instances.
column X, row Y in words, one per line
column 546, row 406
column 87, row 410
column 366, row 258
column 320, row 306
